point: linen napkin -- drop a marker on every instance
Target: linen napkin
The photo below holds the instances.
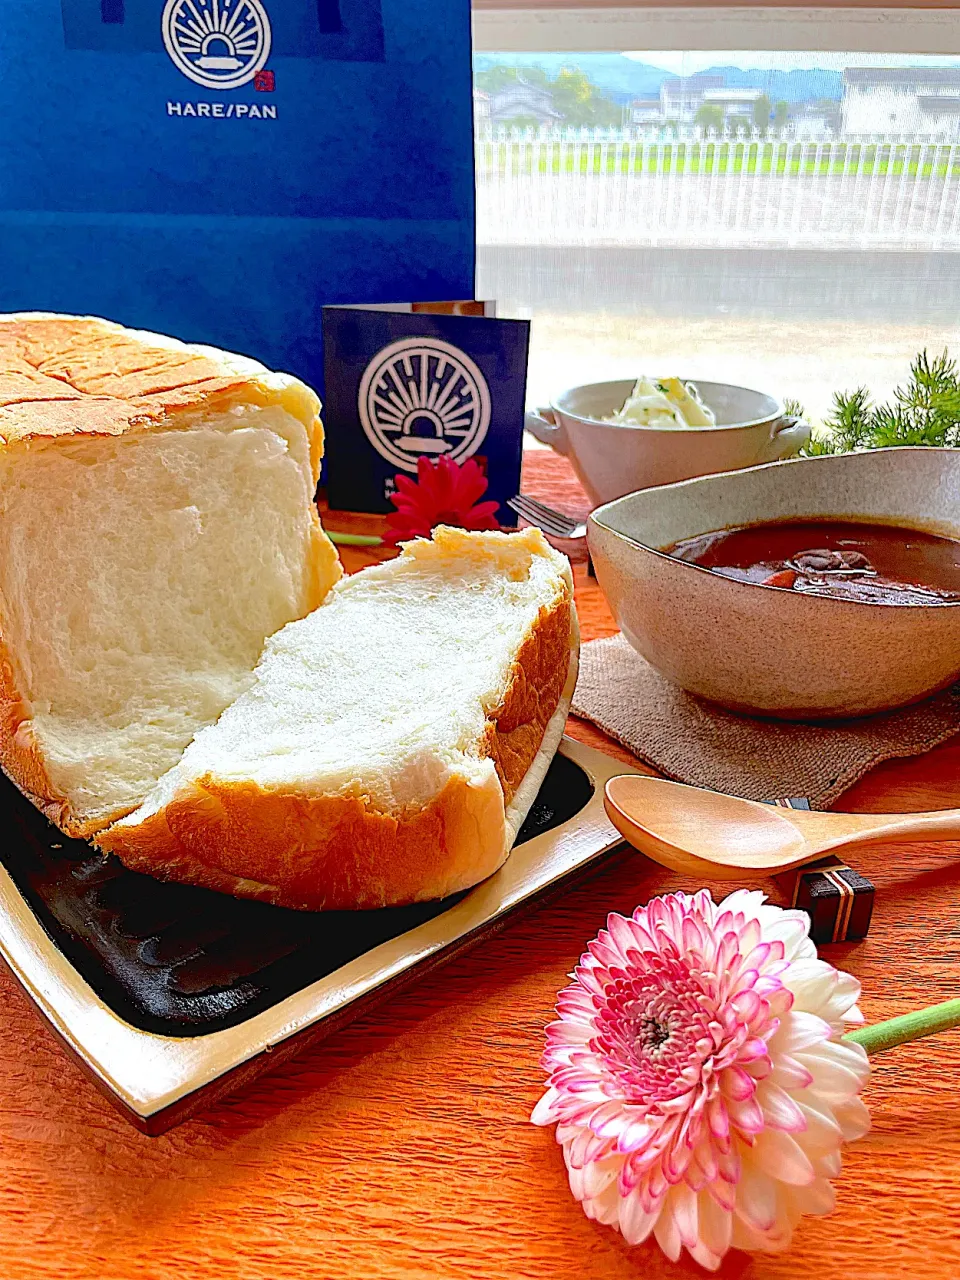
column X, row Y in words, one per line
column 694, row 741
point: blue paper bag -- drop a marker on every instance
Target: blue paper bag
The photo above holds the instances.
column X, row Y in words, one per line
column 221, row 169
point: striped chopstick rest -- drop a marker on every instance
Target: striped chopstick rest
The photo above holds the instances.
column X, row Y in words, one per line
column 838, row 900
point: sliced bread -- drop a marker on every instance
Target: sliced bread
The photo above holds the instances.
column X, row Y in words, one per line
column 156, row 525
column 391, row 742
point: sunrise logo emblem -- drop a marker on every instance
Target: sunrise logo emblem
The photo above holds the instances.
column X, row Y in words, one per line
column 220, row 44
column 423, row 397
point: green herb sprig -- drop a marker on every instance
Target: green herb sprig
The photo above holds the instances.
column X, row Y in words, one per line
column 925, row 410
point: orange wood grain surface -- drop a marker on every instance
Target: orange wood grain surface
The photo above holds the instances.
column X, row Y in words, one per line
column 401, row 1147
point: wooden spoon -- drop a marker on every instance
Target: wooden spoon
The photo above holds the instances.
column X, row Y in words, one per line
column 706, row 833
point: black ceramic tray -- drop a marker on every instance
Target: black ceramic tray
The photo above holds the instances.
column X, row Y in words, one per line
column 171, row 995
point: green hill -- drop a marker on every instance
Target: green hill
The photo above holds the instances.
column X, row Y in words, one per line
column 620, row 78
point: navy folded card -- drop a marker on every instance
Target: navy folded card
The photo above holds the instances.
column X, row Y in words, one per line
column 403, row 386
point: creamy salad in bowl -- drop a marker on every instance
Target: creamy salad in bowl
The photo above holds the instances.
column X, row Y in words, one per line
column 663, row 402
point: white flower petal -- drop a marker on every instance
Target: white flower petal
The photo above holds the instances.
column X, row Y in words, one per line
column 598, row 1176
column 792, row 928
column 773, row 1240
column 725, row 1193
column 746, row 1237
column 756, row 1202
column 781, row 1156
column 635, row 1223
column 608, row 1119
column 709, row 1260
column 798, row 1030
column 790, row 1074
column 543, row 1112
column 853, row 1119
column 818, row 1197
column 831, row 1080
column 605, row 1207
column 635, row 1135
column 780, row 1111
column 822, row 1133
column 828, row 1165
column 716, row 1225
column 849, row 1054
column 586, row 1148
column 819, row 988
column 748, row 901
column 683, row 1202
column 668, row 1236
column 572, row 1035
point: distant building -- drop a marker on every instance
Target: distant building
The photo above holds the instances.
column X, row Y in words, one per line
column 681, row 96
column 645, row 110
column 523, row 101
column 481, row 107
column 734, row 103
column 814, row 121
column 907, row 100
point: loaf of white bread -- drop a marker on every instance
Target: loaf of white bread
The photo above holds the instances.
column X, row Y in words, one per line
column 157, row 526
column 391, row 742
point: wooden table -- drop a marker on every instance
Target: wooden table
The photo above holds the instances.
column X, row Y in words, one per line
column 401, row 1147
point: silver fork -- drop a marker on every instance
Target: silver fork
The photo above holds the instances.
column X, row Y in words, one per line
column 557, row 523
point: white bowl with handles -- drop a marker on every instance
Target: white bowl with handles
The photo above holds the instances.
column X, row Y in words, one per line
column 612, row 459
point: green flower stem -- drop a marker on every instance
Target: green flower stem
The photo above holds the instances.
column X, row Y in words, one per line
column 354, row 539
column 910, row 1026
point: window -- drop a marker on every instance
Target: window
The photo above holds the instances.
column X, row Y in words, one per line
column 784, row 219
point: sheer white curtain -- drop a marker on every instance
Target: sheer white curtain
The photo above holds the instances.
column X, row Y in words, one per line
column 800, row 255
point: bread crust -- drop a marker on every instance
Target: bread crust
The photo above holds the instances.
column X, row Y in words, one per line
column 516, row 728
column 339, row 852
column 20, row 755
column 82, row 376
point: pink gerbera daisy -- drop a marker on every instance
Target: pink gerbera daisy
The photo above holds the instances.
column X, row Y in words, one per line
column 697, row 1077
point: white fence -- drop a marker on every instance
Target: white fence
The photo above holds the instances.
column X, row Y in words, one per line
column 580, row 188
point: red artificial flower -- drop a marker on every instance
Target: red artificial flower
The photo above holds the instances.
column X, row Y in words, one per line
column 443, row 493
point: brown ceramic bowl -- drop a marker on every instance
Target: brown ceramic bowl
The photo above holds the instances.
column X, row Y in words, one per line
column 766, row 651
